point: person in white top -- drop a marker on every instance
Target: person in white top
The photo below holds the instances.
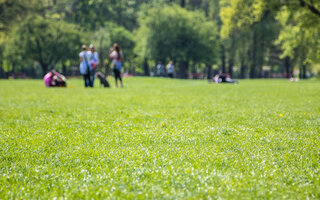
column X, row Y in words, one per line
column 170, row 69
column 85, row 66
column 117, row 62
column 160, row 69
column 94, row 61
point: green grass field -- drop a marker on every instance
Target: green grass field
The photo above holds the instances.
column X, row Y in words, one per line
column 160, row 139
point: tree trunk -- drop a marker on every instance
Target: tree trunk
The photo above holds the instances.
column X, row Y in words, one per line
column 33, row 72
column 1, row 70
column 254, row 59
column 108, row 68
column 13, row 68
column 206, row 8
column 64, row 69
column 287, row 66
column 304, row 71
column 223, row 59
column 183, row 69
column 230, row 70
column 120, row 13
column 209, row 71
column 231, row 56
column 146, row 67
column 44, row 68
column 260, row 52
column 182, row 3
column 101, row 59
column 242, row 69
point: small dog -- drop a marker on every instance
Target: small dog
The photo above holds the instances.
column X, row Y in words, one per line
column 103, row 80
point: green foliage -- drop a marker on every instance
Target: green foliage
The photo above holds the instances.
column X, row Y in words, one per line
column 44, row 41
column 239, row 13
column 92, row 15
column 174, row 33
column 297, row 39
column 160, row 139
column 299, row 33
column 16, row 10
column 123, row 37
column 183, row 30
column 112, row 33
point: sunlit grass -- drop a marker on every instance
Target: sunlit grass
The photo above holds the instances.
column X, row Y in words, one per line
column 159, row 138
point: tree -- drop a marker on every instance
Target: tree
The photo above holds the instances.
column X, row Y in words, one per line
column 300, row 36
column 44, row 41
column 13, row 12
column 173, row 33
column 299, row 21
column 92, row 15
column 16, row 10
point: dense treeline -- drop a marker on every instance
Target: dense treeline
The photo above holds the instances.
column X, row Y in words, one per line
column 245, row 38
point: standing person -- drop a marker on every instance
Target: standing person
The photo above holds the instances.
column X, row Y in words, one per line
column 117, row 62
column 160, row 69
column 94, row 61
column 170, row 69
column 85, row 66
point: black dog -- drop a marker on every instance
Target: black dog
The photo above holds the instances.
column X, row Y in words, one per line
column 103, row 80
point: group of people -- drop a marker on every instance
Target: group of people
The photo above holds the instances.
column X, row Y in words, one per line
column 88, row 64
column 90, row 59
column 161, row 71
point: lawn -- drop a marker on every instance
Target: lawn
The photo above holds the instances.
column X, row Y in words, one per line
column 160, row 139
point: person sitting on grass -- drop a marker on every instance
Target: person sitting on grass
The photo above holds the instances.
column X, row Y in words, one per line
column 54, row 79
column 223, row 78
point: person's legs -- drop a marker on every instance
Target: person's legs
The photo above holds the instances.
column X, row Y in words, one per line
column 119, row 67
column 89, row 80
column 120, row 78
column 93, row 73
column 86, row 79
column 115, row 71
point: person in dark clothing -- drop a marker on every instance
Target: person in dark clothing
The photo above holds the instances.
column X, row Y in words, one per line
column 117, row 62
column 223, row 78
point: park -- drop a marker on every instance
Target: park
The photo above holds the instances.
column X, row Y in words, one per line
column 160, row 138
column 181, row 132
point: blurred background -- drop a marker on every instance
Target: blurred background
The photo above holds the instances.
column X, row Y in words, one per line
column 244, row 38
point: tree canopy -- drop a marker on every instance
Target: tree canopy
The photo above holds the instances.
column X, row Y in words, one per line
column 44, row 41
column 299, row 20
column 173, row 33
column 245, row 38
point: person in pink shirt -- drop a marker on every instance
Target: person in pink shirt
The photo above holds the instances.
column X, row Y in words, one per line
column 54, row 79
